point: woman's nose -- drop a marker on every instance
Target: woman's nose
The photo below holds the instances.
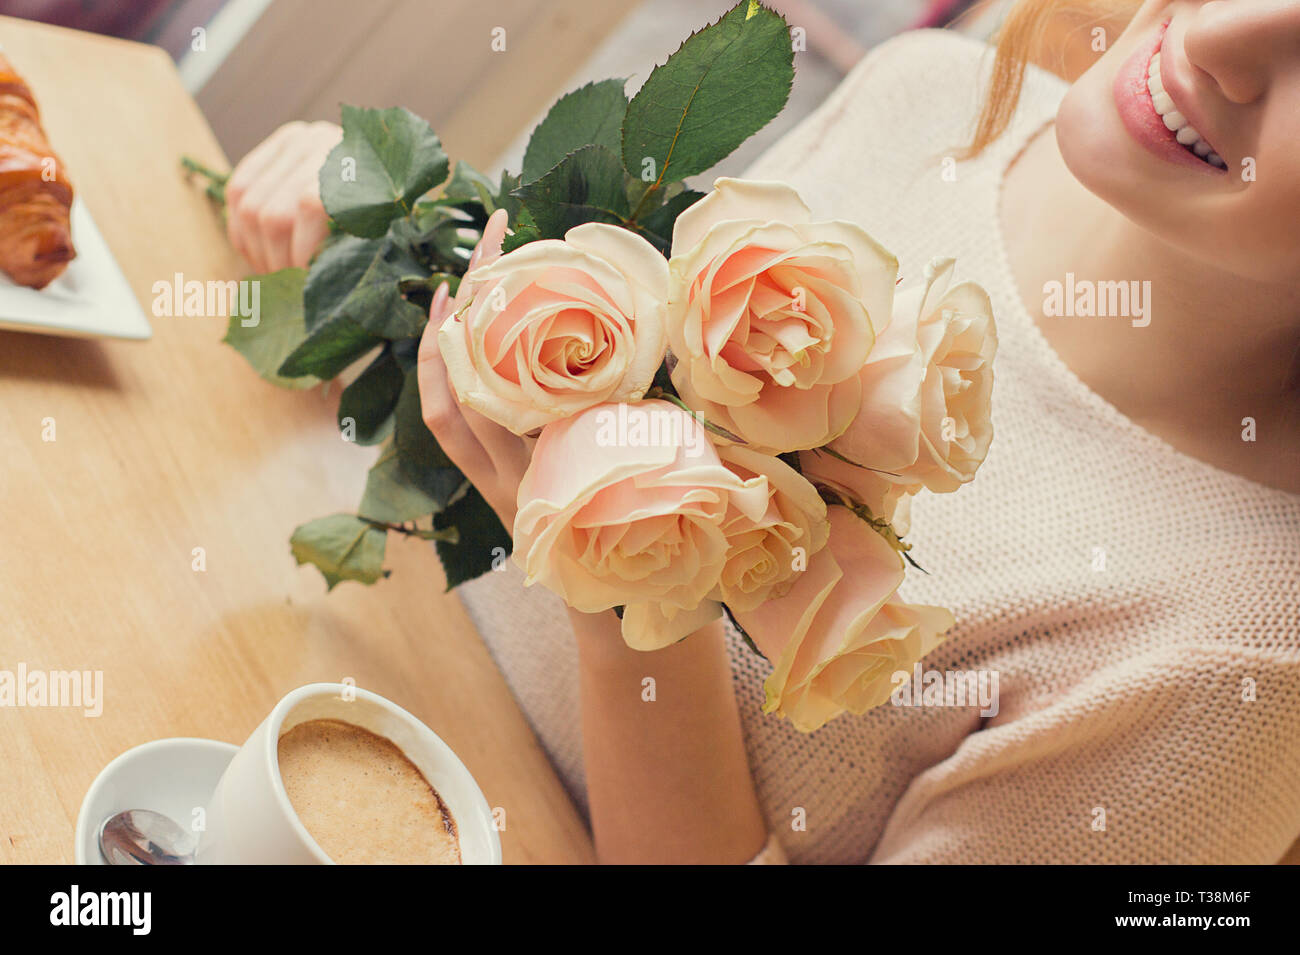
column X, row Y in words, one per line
column 1242, row 44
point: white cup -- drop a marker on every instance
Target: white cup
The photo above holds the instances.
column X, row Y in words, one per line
column 250, row 821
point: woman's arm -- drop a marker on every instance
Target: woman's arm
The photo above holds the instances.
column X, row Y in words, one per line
column 667, row 776
column 668, row 780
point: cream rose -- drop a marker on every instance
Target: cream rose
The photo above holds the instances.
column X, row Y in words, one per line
column 841, row 633
column 927, row 387
column 558, row 326
column 764, row 556
column 626, row 505
column 884, row 498
column 771, row 315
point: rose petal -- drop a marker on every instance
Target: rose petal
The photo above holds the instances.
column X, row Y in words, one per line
column 737, row 199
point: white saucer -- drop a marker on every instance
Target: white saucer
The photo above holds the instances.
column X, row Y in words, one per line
column 171, row 776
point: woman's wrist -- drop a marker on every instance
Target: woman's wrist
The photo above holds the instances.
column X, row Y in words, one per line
column 600, row 643
column 667, row 773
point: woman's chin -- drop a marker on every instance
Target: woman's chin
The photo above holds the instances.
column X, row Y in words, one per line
column 1095, row 148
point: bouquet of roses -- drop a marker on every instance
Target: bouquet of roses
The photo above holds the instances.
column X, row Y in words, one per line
column 732, row 406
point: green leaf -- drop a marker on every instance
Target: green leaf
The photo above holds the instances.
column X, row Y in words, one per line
column 343, row 547
column 370, row 400
column 329, row 349
column 723, row 84
column 376, row 304
column 361, row 280
column 477, row 196
column 279, row 329
column 407, row 353
column 433, row 233
column 484, row 542
column 387, row 159
column 523, row 231
column 591, row 115
column 587, row 186
column 390, row 497
column 661, row 220
column 504, row 197
column 467, row 183
column 424, row 464
column 334, row 273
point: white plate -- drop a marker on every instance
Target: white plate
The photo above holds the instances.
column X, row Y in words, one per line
column 91, row 297
column 171, row 776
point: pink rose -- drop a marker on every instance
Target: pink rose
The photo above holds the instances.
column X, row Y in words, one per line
column 764, row 556
column 927, row 387
column 626, row 505
column 771, row 315
column 555, row 327
column 836, row 639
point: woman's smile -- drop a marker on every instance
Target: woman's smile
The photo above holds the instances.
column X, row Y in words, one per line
column 1144, row 95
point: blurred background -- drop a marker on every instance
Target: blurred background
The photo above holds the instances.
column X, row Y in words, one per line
column 481, row 71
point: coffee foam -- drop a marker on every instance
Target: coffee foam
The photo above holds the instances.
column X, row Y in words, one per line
column 362, row 799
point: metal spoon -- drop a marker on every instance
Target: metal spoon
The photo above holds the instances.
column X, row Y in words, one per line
column 145, row 837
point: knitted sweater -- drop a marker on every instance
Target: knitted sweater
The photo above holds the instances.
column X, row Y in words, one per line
column 1141, row 609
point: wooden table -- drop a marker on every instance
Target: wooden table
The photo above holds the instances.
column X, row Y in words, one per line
column 165, row 446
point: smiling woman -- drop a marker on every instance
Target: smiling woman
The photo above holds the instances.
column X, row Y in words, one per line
column 1121, row 581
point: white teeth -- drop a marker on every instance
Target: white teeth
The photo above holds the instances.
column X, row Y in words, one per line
column 1174, row 120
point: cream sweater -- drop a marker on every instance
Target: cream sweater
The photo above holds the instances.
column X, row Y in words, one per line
column 1141, row 609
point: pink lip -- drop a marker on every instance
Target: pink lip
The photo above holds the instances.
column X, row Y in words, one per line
column 1139, row 116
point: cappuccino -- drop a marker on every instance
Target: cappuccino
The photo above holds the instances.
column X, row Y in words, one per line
column 362, row 800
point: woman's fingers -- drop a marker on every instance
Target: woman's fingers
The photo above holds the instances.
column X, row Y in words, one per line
column 248, row 173
column 494, row 233
column 249, row 169
column 489, row 455
column 311, row 221
column 309, row 231
column 271, row 207
column 439, row 309
column 275, row 218
column 442, row 413
column 245, row 174
column 504, row 448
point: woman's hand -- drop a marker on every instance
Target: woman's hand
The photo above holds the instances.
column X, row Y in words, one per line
column 668, row 782
column 274, row 215
column 491, row 457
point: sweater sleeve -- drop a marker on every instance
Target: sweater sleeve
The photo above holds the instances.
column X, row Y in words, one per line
column 1189, row 756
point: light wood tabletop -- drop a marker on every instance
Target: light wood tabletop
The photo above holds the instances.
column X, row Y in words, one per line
column 165, row 446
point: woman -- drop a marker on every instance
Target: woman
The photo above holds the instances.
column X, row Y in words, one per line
column 1127, row 565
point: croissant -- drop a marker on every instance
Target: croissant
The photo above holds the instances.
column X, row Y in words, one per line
column 35, row 194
